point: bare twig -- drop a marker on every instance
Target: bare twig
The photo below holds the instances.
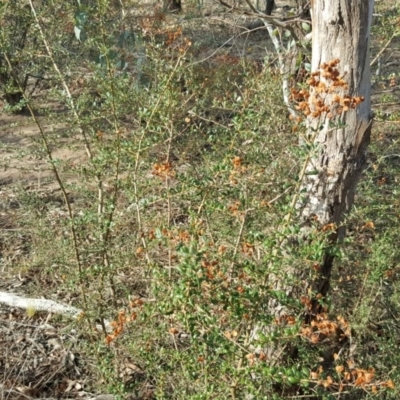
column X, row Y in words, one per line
column 59, row 182
column 384, row 48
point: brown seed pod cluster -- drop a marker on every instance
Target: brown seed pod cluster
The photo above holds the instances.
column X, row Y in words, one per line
column 324, row 95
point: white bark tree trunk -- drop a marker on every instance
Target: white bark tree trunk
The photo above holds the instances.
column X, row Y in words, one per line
column 340, row 30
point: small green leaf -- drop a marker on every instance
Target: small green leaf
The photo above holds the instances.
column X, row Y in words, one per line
column 81, row 17
column 305, row 372
column 293, row 380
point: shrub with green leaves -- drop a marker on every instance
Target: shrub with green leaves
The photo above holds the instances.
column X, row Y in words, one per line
column 172, row 216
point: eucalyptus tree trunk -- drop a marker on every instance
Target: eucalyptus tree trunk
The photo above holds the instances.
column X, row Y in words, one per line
column 338, row 133
column 340, row 31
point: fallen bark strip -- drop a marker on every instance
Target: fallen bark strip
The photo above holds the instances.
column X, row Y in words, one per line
column 50, row 306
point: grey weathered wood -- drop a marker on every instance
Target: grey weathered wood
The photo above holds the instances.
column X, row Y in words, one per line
column 340, row 30
column 50, row 306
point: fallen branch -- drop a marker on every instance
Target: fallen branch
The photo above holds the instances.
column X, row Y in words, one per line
column 50, row 306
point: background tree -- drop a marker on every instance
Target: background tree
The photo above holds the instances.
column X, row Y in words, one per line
column 173, row 5
column 270, row 4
